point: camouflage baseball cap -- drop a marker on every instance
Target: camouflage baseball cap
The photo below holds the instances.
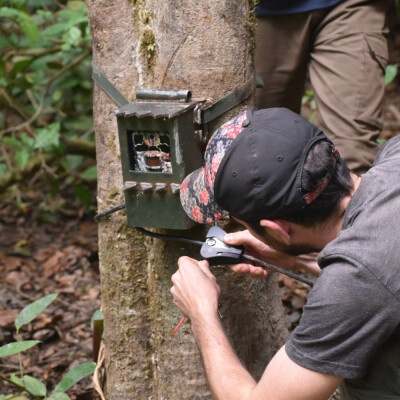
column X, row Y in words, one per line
column 253, row 167
column 197, row 190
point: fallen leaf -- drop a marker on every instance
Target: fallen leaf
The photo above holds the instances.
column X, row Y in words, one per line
column 52, row 265
column 64, row 281
column 7, row 317
column 43, row 255
column 93, row 293
column 15, row 278
column 10, row 263
column 43, row 334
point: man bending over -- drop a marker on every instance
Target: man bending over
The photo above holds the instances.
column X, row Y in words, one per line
column 283, row 179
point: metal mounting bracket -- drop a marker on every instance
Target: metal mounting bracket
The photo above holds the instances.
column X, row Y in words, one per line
column 202, row 116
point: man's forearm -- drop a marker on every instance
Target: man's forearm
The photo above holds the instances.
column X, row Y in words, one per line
column 228, row 379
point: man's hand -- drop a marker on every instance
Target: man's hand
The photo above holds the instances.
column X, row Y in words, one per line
column 258, row 249
column 196, row 293
column 195, row 289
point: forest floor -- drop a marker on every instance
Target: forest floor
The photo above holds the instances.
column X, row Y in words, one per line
column 47, row 249
column 38, row 258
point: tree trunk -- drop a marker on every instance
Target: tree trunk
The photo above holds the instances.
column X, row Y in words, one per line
column 206, row 47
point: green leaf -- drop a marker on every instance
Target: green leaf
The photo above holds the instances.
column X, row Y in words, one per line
column 73, row 36
column 57, row 95
column 74, row 161
column 12, row 142
column 27, row 139
column 75, row 375
column 56, row 29
column 26, row 23
column 81, row 123
column 3, row 71
column 309, row 93
column 32, row 310
column 3, row 169
column 20, row 66
column 83, row 194
column 16, row 347
column 34, row 386
column 390, row 74
column 97, row 316
column 75, row 5
column 45, row 14
column 17, row 3
column 29, row 28
column 55, row 188
column 4, row 41
column 73, row 17
column 90, row 173
column 97, row 325
column 22, row 157
column 14, row 378
column 48, row 137
column 58, row 396
column 312, row 116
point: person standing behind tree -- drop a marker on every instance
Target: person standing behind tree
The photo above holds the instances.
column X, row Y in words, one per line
column 342, row 45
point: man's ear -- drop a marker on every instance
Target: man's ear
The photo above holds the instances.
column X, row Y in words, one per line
column 278, row 228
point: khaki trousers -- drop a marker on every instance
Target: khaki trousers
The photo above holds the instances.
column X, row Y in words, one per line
column 344, row 49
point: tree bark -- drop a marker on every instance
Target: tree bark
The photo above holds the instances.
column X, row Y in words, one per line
column 206, row 47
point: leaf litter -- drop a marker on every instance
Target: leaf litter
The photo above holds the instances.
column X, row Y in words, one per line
column 38, row 259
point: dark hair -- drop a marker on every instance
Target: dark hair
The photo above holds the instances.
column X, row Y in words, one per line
column 318, row 165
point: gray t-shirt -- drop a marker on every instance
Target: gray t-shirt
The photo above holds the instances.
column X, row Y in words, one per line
column 350, row 326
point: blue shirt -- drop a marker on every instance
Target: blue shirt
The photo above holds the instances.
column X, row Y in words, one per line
column 281, row 7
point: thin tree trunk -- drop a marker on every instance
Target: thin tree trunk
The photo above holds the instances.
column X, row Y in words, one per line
column 203, row 46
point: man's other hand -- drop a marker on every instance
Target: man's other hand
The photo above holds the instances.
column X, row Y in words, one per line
column 257, row 249
column 195, row 289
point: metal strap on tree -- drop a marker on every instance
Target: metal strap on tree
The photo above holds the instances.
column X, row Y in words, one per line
column 207, row 115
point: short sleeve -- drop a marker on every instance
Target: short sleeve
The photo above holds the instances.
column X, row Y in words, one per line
column 388, row 151
column 349, row 313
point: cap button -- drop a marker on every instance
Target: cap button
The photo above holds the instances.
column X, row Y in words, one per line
column 245, row 123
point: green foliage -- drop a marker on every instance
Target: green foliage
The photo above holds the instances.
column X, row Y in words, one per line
column 29, row 384
column 58, row 396
column 31, row 311
column 75, row 375
column 90, row 173
column 16, row 347
column 45, row 80
column 13, row 397
column 34, row 386
column 309, row 99
column 97, row 325
column 25, row 22
column 83, row 194
column 390, row 74
column 97, row 316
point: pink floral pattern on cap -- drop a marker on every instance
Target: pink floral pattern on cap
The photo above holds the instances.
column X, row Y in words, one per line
column 204, row 197
column 197, row 189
